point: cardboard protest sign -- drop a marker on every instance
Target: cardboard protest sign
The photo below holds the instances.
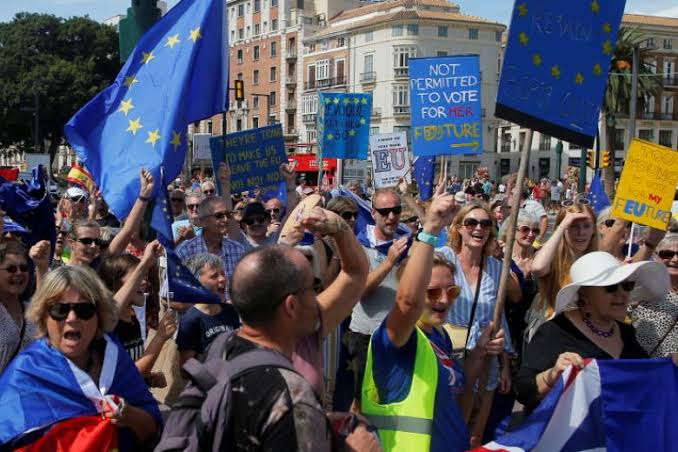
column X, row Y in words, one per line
column 446, row 106
column 344, row 125
column 647, row 186
column 390, row 159
column 555, row 69
column 254, row 156
column 201, row 146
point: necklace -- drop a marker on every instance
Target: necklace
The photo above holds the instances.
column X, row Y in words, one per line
column 587, row 320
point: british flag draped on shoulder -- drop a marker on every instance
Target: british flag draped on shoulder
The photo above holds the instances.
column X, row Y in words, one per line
column 609, row 405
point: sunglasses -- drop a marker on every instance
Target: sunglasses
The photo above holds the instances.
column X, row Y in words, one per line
column 435, row 294
column 349, row 215
column 609, row 223
column 259, row 219
column 274, row 210
column 87, row 241
column 78, row 199
column 84, row 311
column 23, row 268
column 221, row 215
column 527, row 229
column 626, row 285
column 666, row 254
column 208, row 192
column 178, row 200
column 412, row 220
column 472, row 223
column 192, row 206
column 386, row 211
column 570, row 203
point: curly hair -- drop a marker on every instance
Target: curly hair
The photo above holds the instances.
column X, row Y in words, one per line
column 454, row 236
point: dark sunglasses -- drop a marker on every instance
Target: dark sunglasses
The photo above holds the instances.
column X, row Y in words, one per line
column 274, row 210
column 192, row 206
column 177, row 200
column 208, row 192
column 87, row 241
column 78, row 199
column 412, row 220
column 609, row 223
column 349, row 215
column 386, row 211
column 527, row 229
column 472, row 223
column 23, row 268
column 666, row 254
column 435, row 294
column 222, row 215
column 84, row 311
column 626, row 285
column 260, row 219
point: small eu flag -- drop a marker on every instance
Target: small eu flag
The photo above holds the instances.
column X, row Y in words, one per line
column 177, row 74
column 423, row 174
column 182, row 285
column 161, row 219
column 597, row 196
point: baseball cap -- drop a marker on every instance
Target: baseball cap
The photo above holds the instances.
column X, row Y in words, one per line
column 253, row 209
column 76, row 192
column 460, row 197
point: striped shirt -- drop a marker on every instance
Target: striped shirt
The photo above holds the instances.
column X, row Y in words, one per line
column 230, row 252
column 460, row 313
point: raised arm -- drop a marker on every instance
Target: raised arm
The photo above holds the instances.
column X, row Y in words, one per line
column 289, row 175
column 136, row 215
column 151, row 254
column 541, row 265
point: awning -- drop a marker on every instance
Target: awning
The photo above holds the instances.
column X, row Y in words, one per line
column 309, row 163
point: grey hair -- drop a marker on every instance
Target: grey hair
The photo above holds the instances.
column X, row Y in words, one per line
column 669, row 240
column 603, row 216
column 197, row 263
column 525, row 217
column 195, row 195
column 207, row 204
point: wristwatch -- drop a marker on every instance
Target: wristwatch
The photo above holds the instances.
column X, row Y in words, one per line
column 427, row 238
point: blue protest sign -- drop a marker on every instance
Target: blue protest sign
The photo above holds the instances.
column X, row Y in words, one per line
column 555, row 70
column 446, row 107
column 344, row 125
column 254, row 156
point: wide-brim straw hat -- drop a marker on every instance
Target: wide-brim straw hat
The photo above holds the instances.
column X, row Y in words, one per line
column 599, row 269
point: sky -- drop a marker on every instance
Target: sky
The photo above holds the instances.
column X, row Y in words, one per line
column 499, row 10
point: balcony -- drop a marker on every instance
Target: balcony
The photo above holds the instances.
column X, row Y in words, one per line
column 309, row 117
column 401, row 110
column 291, row 81
column 368, row 77
column 671, row 80
column 376, row 112
column 401, row 72
column 546, row 146
column 291, row 54
column 290, row 133
column 291, row 107
column 325, row 83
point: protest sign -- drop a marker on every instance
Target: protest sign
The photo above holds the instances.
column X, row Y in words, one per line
column 446, row 107
column 554, row 73
column 647, row 186
column 344, row 125
column 254, row 156
column 201, row 146
column 390, row 159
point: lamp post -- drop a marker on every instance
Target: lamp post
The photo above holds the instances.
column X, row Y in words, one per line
column 559, row 155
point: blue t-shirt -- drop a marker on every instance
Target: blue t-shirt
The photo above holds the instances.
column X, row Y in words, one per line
column 197, row 329
column 392, row 368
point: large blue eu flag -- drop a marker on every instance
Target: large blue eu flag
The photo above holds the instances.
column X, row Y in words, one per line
column 177, row 74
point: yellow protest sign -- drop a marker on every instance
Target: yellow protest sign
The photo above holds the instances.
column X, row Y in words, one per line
column 647, row 185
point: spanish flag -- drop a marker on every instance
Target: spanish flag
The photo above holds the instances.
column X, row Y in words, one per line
column 80, row 176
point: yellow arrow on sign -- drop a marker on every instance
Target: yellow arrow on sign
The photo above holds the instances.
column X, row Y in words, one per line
column 474, row 144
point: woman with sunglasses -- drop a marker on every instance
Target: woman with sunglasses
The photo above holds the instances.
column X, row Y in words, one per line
column 15, row 332
column 574, row 235
column 410, row 372
column 88, row 371
column 589, row 321
column 614, row 237
column 471, row 241
column 657, row 323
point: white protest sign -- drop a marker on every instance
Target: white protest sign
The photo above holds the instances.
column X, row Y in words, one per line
column 390, row 159
column 201, row 146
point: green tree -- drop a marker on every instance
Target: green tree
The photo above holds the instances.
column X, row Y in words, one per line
column 617, row 103
column 61, row 62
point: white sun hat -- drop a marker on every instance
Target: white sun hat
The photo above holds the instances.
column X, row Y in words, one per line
column 603, row 269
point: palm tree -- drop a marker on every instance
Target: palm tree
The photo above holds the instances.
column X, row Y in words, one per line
column 618, row 92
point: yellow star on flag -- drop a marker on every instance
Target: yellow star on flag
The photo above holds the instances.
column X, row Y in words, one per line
column 522, row 9
column 536, row 59
column 147, row 57
column 195, row 35
column 607, row 28
column 597, row 70
column 579, row 79
column 131, row 80
column 335, row 100
column 172, row 41
column 347, row 101
column 607, row 47
column 153, row 137
column 555, row 71
column 351, row 133
column 176, row 140
column 523, row 38
column 356, row 100
column 330, row 136
column 362, row 121
column 134, row 125
column 364, row 101
column 328, row 100
column 595, row 7
column 126, row 106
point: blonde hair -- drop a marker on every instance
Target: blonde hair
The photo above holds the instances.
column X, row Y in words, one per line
column 439, row 260
column 454, row 236
column 86, row 283
column 559, row 272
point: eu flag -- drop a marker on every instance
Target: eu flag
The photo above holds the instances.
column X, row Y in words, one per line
column 423, row 174
column 161, row 218
column 182, row 285
column 177, row 74
column 597, row 196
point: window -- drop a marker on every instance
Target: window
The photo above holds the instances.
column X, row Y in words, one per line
column 401, row 57
column 666, row 138
column 274, row 24
column 374, row 130
column 257, row 53
column 274, row 49
column 467, row 169
column 238, row 124
column 397, row 30
column 369, row 63
column 309, row 104
column 271, row 99
column 239, row 76
column 324, row 45
column 241, row 33
column 369, row 36
column 241, row 10
column 322, row 69
column 274, row 3
column 311, row 76
column 668, row 44
column 441, row 53
column 617, row 139
column 239, row 56
column 646, row 134
column 401, row 99
column 209, row 127
column 339, row 71
column 255, row 102
column 257, row 6
column 248, row 32
column 521, row 140
column 273, row 77
column 255, row 122
column 648, row 111
column 497, row 36
column 341, row 42
column 311, row 136
column 667, row 107
column 473, row 34
column 544, row 142
column 412, row 29
column 442, row 31
column 255, row 77
column 300, row 4
column 257, row 29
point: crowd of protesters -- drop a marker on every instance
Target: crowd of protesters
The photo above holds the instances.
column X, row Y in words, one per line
column 386, row 327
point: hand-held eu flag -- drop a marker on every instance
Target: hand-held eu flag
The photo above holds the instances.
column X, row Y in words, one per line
column 177, row 74
column 423, row 174
column 597, row 196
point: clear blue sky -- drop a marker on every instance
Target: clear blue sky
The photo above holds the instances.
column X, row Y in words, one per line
column 101, row 9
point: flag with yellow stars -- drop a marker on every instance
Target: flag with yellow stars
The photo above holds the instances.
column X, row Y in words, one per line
column 555, row 69
column 177, row 74
column 344, row 125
